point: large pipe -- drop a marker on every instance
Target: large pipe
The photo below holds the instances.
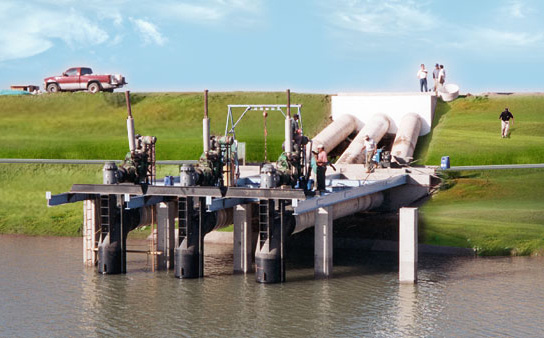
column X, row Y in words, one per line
column 406, row 139
column 288, row 131
column 341, row 209
column 336, row 132
column 206, row 125
column 375, row 129
column 130, row 125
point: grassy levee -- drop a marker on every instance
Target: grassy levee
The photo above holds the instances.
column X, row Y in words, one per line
column 83, row 126
column 495, row 212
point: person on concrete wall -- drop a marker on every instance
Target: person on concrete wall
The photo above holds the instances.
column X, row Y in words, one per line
column 370, row 148
column 441, row 76
column 505, row 122
column 436, row 73
column 322, row 162
column 422, row 76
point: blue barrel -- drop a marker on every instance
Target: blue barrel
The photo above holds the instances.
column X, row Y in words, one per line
column 445, row 163
column 168, row 180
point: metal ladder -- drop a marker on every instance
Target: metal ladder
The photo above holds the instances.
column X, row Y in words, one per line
column 183, row 214
column 264, row 220
column 105, row 214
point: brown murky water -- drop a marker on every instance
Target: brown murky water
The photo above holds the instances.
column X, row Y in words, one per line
column 45, row 291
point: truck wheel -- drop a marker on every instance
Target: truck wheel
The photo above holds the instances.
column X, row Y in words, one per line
column 52, row 88
column 93, row 88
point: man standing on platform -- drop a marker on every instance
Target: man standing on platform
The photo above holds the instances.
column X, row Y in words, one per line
column 505, row 122
column 422, row 76
column 370, row 147
column 322, row 162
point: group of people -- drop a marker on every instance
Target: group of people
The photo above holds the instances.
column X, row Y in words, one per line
column 439, row 77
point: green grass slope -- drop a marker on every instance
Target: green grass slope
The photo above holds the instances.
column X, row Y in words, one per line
column 495, row 212
column 83, row 126
column 468, row 130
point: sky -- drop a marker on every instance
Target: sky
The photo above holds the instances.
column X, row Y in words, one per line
column 314, row 46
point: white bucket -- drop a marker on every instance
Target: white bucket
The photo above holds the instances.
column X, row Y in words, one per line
column 448, row 92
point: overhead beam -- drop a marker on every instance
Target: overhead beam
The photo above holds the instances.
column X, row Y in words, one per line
column 64, row 198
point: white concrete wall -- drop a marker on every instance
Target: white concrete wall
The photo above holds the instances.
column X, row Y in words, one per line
column 394, row 105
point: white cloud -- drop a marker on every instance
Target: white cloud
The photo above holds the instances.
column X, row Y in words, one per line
column 482, row 38
column 387, row 17
column 515, row 8
column 209, row 11
column 149, row 32
column 31, row 27
column 29, row 30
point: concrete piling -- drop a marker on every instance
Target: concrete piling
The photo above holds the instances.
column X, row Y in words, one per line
column 323, row 245
column 166, row 222
column 408, row 245
column 243, row 238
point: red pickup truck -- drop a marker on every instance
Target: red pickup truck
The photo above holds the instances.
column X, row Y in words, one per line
column 82, row 78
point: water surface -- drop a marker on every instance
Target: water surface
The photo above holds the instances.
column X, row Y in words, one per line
column 46, row 291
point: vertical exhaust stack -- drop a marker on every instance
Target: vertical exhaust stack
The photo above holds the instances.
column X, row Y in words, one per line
column 376, row 129
column 206, row 124
column 406, row 139
column 130, row 125
column 288, row 131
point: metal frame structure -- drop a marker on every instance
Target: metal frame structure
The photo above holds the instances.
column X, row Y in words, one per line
column 262, row 107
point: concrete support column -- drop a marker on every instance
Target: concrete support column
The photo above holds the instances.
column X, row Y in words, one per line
column 408, row 219
column 166, row 222
column 323, row 246
column 243, row 238
column 91, row 235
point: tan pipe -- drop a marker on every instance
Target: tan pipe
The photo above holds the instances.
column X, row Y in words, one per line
column 376, row 129
column 224, row 218
column 406, row 139
column 341, row 209
column 337, row 132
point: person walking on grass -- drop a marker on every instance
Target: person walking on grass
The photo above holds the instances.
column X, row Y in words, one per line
column 505, row 122
column 422, row 76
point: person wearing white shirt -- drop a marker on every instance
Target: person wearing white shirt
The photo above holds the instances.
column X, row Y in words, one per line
column 422, row 76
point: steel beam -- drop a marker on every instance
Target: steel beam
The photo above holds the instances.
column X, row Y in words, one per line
column 287, row 194
column 226, row 203
column 67, row 197
column 142, row 201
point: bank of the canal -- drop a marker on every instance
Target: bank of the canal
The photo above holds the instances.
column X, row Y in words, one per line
column 496, row 212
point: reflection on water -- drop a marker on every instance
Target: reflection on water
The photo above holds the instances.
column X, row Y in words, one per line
column 46, row 291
